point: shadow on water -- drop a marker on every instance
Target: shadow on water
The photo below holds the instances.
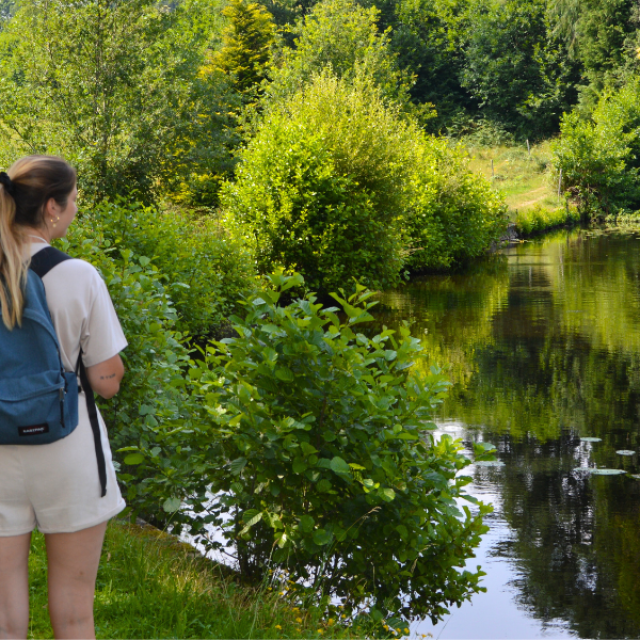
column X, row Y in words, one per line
column 542, row 344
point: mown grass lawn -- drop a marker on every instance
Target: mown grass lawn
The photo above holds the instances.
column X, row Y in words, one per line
column 152, row 586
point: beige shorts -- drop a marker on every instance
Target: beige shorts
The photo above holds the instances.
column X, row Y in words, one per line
column 55, row 487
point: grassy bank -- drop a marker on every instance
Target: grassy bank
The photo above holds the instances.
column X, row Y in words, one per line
column 152, row 586
column 529, row 184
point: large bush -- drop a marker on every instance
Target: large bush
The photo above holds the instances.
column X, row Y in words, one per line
column 204, row 271
column 329, row 467
column 154, row 413
column 599, row 156
column 165, row 274
column 320, row 188
column 452, row 214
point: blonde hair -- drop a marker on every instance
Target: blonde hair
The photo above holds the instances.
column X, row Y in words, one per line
column 34, row 181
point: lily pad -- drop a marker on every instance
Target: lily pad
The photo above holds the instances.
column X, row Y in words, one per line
column 490, row 463
column 607, row 472
column 590, row 439
column 625, row 452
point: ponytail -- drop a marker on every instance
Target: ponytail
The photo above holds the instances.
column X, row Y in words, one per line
column 24, row 192
column 13, row 269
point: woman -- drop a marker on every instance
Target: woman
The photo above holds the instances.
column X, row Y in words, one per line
column 56, row 486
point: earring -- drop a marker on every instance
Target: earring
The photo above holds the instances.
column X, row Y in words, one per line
column 53, row 224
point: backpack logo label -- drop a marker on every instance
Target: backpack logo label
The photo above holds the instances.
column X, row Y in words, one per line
column 34, row 430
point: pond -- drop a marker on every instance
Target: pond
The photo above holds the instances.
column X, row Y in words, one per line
column 542, row 345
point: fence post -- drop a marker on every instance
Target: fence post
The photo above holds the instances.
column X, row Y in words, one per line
column 559, row 183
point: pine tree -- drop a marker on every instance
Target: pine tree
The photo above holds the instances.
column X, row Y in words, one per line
column 247, row 43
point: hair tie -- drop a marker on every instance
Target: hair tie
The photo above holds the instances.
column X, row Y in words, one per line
column 8, row 184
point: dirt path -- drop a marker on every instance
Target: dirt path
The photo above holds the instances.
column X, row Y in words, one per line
column 528, row 203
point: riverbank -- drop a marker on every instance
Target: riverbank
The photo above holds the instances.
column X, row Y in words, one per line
column 150, row 585
column 526, row 179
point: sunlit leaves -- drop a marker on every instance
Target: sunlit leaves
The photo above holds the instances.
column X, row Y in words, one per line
column 328, row 464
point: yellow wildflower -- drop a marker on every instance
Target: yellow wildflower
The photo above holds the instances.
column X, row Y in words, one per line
column 278, row 627
column 298, row 620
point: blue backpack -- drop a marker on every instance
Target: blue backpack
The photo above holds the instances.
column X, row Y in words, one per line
column 38, row 398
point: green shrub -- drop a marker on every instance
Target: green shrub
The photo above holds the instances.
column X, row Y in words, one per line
column 600, row 157
column 165, row 273
column 320, row 187
column 204, row 271
column 154, row 412
column 330, row 469
column 539, row 218
column 453, row 214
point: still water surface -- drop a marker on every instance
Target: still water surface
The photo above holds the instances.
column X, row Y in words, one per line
column 542, row 345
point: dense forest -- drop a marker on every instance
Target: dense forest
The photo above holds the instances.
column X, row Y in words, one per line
column 242, row 163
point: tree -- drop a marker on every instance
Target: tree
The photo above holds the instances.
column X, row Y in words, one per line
column 513, row 69
column 428, row 37
column 247, row 43
column 343, row 37
column 601, row 37
column 114, row 88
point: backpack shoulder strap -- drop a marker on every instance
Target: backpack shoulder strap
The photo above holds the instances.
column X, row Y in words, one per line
column 95, row 425
column 47, row 258
column 41, row 263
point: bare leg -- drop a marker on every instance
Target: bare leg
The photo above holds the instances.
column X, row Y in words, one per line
column 73, row 560
column 14, row 586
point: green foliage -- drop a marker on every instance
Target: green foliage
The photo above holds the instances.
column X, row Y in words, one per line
column 453, row 214
column 599, row 34
column 320, row 186
column 205, row 272
column 114, row 88
column 600, row 156
column 529, row 221
column 330, row 468
column 149, row 259
column 247, row 43
column 428, row 38
column 343, row 37
column 513, row 69
column 153, row 406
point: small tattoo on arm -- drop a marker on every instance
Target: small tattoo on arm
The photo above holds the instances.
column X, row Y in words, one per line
column 113, row 375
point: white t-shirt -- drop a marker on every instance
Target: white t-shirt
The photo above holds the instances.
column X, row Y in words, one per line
column 56, row 486
column 80, row 305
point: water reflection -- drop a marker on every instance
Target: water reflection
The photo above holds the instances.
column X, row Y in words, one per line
column 542, row 344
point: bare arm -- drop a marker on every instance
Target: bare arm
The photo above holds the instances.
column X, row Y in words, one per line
column 105, row 377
